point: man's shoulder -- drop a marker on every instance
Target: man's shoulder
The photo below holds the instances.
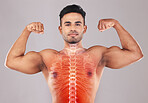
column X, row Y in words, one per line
column 97, row 48
column 48, row 52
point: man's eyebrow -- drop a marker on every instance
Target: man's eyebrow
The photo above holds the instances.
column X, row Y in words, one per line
column 67, row 22
column 78, row 22
column 75, row 22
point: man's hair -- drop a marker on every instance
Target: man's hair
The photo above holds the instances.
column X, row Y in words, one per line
column 72, row 8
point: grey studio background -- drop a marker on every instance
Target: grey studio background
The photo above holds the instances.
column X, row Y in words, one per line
column 126, row 85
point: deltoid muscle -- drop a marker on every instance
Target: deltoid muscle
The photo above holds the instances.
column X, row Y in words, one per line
column 71, row 77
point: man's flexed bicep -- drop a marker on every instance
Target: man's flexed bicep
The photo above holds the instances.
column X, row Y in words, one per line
column 30, row 63
column 116, row 58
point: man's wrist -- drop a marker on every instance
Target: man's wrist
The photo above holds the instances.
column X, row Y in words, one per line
column 116, row 24
column 26, row 30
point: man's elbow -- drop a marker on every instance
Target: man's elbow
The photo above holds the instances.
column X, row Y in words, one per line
column 8, row 64
column 138, row 56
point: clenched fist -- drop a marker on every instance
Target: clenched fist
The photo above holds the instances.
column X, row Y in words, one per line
column 106, row 24
column 36, row 27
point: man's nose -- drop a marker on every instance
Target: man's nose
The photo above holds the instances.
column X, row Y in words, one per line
column 73, row 27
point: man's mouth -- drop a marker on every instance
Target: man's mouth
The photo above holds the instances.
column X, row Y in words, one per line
column 72, row 34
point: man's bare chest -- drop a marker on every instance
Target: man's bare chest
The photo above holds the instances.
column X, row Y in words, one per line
column 73, row 66
column 72, row 75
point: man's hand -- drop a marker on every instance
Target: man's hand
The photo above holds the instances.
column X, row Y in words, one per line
column 36, row 27
column 106, row 24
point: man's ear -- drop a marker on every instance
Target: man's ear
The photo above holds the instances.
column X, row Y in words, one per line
column 85, row 28
column 60, row 29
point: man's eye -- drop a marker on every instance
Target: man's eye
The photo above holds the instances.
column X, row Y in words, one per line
column 77, row 24
column 67, row 24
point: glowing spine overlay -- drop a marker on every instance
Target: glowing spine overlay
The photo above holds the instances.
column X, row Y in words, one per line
column 72, row 75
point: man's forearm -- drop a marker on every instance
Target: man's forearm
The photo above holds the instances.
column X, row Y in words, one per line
column 127, row 41
column 19, row 47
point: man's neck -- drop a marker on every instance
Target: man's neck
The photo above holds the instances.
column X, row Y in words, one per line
column 76, row 45
column 73, row 49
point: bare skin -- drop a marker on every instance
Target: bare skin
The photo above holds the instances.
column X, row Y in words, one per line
column 95, row 58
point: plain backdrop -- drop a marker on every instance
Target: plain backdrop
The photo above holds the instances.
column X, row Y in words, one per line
column 125, row 85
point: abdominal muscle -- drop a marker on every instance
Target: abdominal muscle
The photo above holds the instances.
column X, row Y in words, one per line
column 73, row 78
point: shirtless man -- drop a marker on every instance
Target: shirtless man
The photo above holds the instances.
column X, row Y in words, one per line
column 73, row 74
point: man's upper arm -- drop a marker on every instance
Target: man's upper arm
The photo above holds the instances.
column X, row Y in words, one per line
column 30, row 63
column 116, row 58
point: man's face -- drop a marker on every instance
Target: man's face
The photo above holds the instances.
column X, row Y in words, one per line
column 72, row 27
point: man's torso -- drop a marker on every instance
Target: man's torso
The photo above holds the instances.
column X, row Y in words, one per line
column 73, row 78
